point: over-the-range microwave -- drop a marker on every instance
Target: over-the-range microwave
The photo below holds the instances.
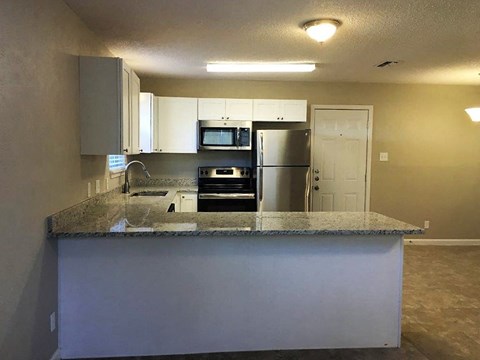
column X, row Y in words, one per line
column 224, row 135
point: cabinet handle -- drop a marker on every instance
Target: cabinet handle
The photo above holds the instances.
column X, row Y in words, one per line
column 317, row 178
column 223, row 117
column 125, row 150
column 155, row 149
column 282, row 118
column 141, row 150
column 278, row 118
column 228, row 117
column 316, row 188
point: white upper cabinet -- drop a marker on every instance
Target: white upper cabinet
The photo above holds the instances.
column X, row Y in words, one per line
column 135, row 113
column 225, row 109
column 211, row 109
column 109, row 107
column 175, row 128
column 294, row 110
column 266, row 110
column 239, row 109
column 280, row 110
column 148, row 113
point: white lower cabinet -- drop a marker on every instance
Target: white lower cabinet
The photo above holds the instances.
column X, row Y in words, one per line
column 185, row 201
column 175, row 126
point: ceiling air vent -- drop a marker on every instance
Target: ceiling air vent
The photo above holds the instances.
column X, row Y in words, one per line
column 387, row 63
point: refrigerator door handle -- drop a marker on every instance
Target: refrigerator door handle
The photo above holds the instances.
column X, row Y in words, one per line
column 260, row 179
column 261, row 149
column 307, row 191
column 260, row 182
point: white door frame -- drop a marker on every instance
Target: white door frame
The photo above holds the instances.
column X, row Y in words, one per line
column 369, row 108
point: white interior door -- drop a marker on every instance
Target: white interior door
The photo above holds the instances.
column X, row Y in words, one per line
column 339, row 160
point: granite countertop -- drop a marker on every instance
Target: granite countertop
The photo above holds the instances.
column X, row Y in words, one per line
column 119, row 215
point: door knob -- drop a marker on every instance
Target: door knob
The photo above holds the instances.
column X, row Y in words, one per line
column 316, row 188
column 317, row 178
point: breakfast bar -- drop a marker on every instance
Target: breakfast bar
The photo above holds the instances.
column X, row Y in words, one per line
column 135, row 280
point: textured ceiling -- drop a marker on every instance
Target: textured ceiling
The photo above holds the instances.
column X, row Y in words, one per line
column 437, row 41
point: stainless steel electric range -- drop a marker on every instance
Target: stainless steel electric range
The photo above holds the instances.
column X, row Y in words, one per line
column 225, row 189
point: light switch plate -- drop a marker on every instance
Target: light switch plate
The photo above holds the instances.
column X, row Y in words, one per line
column 426, row 224
column 383, row 156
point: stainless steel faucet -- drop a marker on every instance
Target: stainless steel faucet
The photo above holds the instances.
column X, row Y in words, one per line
column 126, row 185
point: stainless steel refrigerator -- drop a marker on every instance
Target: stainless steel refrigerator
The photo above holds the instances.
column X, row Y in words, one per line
column 282, row 164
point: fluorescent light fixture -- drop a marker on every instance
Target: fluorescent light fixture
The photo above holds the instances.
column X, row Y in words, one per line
column 260, row 67
column 322, row 29
column 474, row 113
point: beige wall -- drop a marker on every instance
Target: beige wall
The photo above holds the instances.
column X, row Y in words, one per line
column 434, row 149
column 41, row 169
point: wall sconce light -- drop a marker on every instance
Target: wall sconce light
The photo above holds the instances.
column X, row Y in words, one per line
column 474, row 113
column 322, row 29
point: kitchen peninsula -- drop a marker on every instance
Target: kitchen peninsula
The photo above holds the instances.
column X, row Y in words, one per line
column 136, row 280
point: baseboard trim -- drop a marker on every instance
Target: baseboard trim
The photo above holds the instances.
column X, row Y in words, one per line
column 56, row 355
column 443, row 242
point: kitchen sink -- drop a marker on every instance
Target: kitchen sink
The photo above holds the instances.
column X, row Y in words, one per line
column 150, row 193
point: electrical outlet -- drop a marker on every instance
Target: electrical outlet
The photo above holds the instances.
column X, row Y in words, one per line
column 383, row 156
column 97, row 186
column 89, row 189
column 53, row 322
column 426, row 224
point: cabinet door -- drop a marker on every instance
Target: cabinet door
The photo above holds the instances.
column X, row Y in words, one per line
column 126, row 124
column 188, row 202
column 176, row 201
column 294, row 110
column 239, row 109
column 135, row 112
column 146, row 117
column 109, row 103
column 176, row 130
column 266, row 110
column 211, row 109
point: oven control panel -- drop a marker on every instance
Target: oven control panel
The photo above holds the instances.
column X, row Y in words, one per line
column 224, row 172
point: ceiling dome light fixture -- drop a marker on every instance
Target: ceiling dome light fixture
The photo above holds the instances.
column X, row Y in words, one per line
column 322, row 29
column 474, row 113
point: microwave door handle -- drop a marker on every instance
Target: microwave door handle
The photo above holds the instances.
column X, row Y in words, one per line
column 238, row 137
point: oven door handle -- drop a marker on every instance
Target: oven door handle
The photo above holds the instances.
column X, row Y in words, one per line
column 225, row 196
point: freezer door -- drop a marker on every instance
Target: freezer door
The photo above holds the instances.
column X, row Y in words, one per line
column 283, row 147
column 283, row 188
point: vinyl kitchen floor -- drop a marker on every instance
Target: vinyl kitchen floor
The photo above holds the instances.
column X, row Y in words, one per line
column 441, row 313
